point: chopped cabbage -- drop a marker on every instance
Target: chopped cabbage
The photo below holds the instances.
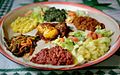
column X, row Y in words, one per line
column 80, row 59
column 104, row 32
column 37, row 14
column 79, row 34
column 93, row 49
column 67, row 44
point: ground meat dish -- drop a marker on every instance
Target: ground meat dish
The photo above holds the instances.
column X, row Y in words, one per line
column 63, row 29
column 87, row 23
column 55, row 56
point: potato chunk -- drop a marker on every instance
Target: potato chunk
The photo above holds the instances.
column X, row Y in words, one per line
column 47, row 30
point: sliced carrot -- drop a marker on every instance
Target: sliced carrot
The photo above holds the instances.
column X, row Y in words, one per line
column 71, row 13
column 23, row 44
column 62, row 39
column 21, row 48
column 29, row 41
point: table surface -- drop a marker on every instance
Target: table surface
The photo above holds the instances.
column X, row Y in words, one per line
column 110, row 66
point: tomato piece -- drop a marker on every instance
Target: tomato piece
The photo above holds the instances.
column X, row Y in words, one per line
column 75, row 39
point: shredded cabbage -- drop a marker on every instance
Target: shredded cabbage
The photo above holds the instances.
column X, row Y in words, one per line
column 79, row 34
column 104, row 32
column 37, row 14
column 93, row 49
column 67, row 44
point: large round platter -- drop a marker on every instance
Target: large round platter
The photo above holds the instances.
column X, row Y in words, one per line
column 109, row 23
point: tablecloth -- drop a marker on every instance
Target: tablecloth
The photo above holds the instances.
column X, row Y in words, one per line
column 110, row 66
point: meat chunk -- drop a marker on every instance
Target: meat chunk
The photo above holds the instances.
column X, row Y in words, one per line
column 52, row 30
column 63, row 29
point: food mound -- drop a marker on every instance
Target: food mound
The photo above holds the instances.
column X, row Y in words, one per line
column 47, row 31
column 22, row 45
column 63, row 37
column 87, row 23
column 50, row 31
column 54, row 14
column 55, row 56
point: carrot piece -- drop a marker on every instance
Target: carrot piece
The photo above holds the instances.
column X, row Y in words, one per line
column 29, row 41
column 23, row 44
column 71, row 13
column 62, row 39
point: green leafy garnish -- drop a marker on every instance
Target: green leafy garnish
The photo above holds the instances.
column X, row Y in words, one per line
column 55, row 15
